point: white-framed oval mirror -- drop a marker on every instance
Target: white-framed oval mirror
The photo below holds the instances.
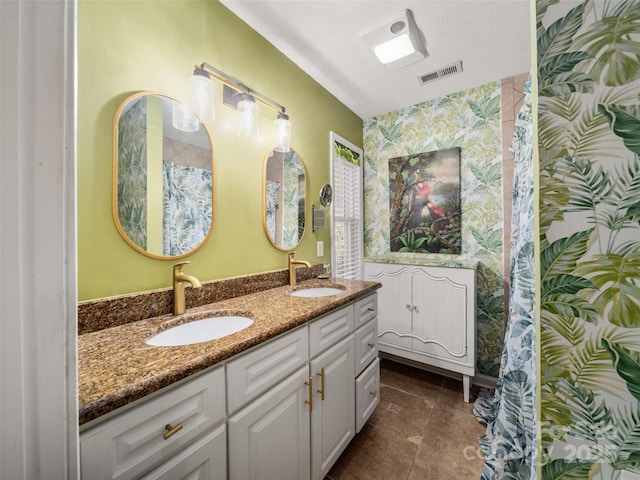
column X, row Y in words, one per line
column 284, row 199
column 162, row 177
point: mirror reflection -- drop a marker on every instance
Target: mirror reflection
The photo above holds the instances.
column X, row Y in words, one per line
column 285, row 185
column 162, row 178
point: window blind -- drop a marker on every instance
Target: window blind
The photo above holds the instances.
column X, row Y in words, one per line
column 347, row 219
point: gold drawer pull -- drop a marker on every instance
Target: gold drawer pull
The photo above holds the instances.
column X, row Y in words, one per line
column 171, row 430
column 310, row 401
column 321, row 391
column 371, row 309
column 374, row 394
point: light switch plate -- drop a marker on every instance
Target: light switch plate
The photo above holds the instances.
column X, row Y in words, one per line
column 320, row 248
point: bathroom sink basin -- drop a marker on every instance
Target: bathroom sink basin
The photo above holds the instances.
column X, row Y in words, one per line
column 315, row 292
column 201, row 330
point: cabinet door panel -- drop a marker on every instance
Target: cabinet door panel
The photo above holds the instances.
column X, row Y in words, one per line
column 332, row 419
column 269, row 438
column 394, row 300
column 440, row 323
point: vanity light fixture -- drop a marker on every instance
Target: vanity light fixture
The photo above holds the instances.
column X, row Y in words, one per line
column 200, row 98
column 396, row 41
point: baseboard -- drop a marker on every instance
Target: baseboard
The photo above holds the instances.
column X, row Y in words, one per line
column 483, row 381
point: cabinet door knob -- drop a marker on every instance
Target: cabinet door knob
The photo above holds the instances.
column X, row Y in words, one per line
column 409, row 307
column 321, row 391
column 310, row 401
column 371, row 345
column 373, row 393
column 171, row 430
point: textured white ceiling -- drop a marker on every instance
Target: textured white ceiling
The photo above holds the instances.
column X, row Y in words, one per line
column 491, row 37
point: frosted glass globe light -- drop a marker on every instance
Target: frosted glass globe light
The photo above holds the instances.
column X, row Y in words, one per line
column 201, row 96
column 248, row 112
column 282, row 133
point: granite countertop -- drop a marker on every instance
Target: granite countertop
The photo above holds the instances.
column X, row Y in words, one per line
column 116, row 366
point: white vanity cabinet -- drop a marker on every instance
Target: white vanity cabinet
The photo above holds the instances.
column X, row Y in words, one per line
column 295, row 424
column 268, row 397
column 169, row 435
column 427, row 314
column 332, row 369
column 285, row 409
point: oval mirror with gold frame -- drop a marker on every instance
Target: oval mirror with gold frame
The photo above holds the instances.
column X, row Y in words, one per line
column 162, row 176
column 284, row 199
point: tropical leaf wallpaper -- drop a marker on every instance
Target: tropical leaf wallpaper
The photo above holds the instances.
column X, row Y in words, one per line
column 588, row 58
column 469, row 120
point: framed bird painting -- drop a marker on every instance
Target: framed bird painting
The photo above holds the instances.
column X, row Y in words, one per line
column 424, row 202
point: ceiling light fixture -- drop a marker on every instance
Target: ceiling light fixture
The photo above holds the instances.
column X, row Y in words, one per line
column 201, row 100
column 396, row 41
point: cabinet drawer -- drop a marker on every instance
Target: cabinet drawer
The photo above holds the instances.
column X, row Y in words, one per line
column 205, row 459
column 131, row 444
column 255, row 372
column 367, row 393
column 365, row 309
column 330, row 329
column 366, row 345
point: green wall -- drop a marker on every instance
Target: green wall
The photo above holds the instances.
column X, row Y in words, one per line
column 125, row 47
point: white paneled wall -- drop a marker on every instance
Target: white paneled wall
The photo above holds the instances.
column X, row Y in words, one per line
column 38, row 406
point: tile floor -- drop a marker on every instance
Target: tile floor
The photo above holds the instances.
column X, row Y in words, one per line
column 422, row 429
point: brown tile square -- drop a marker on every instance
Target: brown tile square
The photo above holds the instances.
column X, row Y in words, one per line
column 403, row 414
column 451, row 396
column 519, row 82
column 422, row 430
column 455, row 424
column 506, row 100
column 375, row 453
column 410, row 379
column 437, row 461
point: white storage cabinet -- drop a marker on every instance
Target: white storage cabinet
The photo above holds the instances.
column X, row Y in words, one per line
column 428, row 315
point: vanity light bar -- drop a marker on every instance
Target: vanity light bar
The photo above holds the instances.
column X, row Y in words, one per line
column 236, row 94
column 241, row 87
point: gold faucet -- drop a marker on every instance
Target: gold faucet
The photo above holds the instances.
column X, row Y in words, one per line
column 292, row 268
column 179, row 279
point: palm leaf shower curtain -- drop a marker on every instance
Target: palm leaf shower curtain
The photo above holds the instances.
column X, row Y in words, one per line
column 187, row 207
column 509, row 442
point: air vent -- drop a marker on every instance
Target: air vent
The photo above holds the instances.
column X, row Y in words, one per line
column 442, row 72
